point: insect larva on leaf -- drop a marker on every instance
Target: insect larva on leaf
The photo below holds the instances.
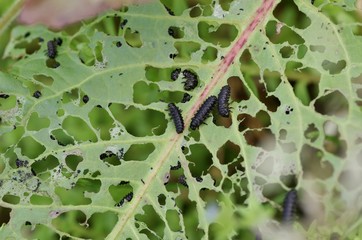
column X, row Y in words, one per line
column 52, row 49
column 126, row 198
column 175, row 73
column 203, row 112
column 191, row 80
column 178, row 166
column 176, row 116
column 289, row 207
column 223, row 101
column 182, row 180
column 37, row 94
column 187, row 97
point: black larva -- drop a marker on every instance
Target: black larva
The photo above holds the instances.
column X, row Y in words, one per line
column 223, row 101
column 175, row 73
column 37, row 94
column 178, row 166
column 191, row 80
column 52, row 49
column 182, row 180
column 187, row 97
column 127, row 198
column 289, row 207
column 85, row 98
column 58, row 41
column 203, row 112
column 176, row 116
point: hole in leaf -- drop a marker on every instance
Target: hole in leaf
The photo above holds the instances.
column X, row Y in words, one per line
column 200, row 159
column 173, row 220
column 133, row 39
column 79, row 129
column 332, row 104
column 5, row 215
column 312, row 164
column 40, row 200
column 289, row 13
column 263, row 138
column 219, row 35
column 304, row 81
column 228, row 152
column 12, row 199
column 238, row 90
column 100, row 120
column 48, row 163
column 30, row 148
column 176, row 32
column 210, row 54
column 185, row 50
column 286, row 51
column 62, row 138
column 334, row 68
column 152, row 220
column 139, row 123
column 46, row 80
column 311, row 133
column 146, row 94
column 38, row 231
column 120, row 193
column 332, row 142
column 139, row 152
column 72, row 161
column 261, row 120
column 35, row 123
column 285, row 35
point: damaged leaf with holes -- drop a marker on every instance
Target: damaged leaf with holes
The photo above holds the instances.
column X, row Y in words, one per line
column 88, row 149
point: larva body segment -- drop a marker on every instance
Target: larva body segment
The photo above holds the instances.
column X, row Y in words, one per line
column 52, row 49
column 176, row 116
column 175, row 73
column 289, row 207
column 223, row 101
column 203, row 112
column 191, row 80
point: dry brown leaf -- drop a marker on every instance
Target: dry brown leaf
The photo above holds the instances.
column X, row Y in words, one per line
column 57, row 14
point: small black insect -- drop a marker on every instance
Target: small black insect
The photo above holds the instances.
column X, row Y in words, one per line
column 171, row 32
column 176, row 116
column 37, row 94
column 182, row 180
column 5, row 96
column 223, row 101
column 20, row 163
column 118, row 44
column 199, row 179
column 289, row 206
column 203, row 112
column 85, row 98
column 178, row 166
column 52, row 49
column 127, row 198
column 123, row 23
column 170, row 11
column 173, row 55
column 58, row 41
column 187, row 97
column 312, row 2
column 191, row 80
column 175, row 73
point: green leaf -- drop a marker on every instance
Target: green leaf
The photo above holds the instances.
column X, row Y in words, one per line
column 87, row 143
